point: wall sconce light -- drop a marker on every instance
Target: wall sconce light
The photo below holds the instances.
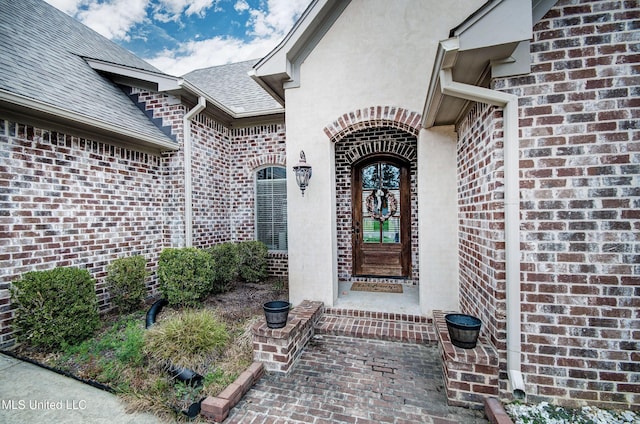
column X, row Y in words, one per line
column 303, row 172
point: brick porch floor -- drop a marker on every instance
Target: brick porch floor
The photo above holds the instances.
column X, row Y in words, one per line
column 361, row 367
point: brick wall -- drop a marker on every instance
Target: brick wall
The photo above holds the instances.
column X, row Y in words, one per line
column 212, row 192
column 580, row 161
column 481, row 221
column 580, row 196
column 253, row 148
column 278, row 349
column 169, row 111
column 278, row 264
column 348, row 150
column 67, row 201
column 224, row 164
column 469, row 375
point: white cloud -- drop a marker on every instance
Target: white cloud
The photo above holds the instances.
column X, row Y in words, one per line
column 241, row 6
column 265, row 28
column 69, row 7
column 172, row 10
column 111, row 18
column 277, row 18
column 115, row 18
column 211, row 52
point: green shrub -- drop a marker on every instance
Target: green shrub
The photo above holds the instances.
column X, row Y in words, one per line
column 55, row 307
column 126, row 282
column 253, row 260
column 227, row 262
column 186, row 339
column 185, row 275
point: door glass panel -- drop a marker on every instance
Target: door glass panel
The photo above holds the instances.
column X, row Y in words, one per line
column 370, row 177
column 390, row 176
column 391, row 230
column 371, row 230
column 381, row 203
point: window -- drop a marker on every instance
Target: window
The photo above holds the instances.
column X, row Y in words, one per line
column 271, row 207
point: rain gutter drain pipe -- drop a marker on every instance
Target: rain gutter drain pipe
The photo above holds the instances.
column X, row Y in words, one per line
column 509, row 103
column 188, row 184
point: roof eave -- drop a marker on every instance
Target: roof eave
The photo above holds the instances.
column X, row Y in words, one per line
column 226, row 114
column 20, row 107
column 476, row 51
column 161, row 81
column 280, row 69
column 276, row 90
column 445, row 58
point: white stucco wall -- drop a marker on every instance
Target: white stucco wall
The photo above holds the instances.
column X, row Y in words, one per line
column 438, row 225
column 377, row 53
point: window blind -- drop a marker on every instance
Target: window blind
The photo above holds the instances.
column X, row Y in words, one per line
column 271, row 209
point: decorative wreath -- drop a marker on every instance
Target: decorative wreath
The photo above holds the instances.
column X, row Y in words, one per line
column 381, row 204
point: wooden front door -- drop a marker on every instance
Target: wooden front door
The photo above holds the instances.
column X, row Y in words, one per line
column 380, row 196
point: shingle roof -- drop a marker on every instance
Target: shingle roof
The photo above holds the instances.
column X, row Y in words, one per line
column 233, row 87
column 41, row 58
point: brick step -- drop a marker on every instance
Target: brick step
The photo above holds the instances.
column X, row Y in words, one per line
column 377, row 326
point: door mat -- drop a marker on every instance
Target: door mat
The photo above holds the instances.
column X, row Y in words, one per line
column 376, row 287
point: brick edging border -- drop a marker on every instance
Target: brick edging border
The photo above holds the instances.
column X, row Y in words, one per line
column 218, row 407
column 495, row 412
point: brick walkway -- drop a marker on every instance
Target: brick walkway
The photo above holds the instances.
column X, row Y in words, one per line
column 341, row 379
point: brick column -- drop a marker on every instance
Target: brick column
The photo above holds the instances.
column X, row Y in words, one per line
column 278, row 348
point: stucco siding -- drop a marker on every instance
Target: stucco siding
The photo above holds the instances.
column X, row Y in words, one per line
column 356, row 65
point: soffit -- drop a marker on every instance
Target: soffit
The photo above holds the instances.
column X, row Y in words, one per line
column 469, row 67
column 492, row 42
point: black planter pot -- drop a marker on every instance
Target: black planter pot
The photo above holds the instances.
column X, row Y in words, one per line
column 276, row 313
column 463, row 330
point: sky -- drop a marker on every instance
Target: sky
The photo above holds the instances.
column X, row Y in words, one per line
column 179, row 36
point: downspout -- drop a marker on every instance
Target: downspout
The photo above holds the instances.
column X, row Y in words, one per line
column 509, row 103
column 188, row 184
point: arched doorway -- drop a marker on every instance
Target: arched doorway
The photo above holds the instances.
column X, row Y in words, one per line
column 381, row 217
column 359, row 149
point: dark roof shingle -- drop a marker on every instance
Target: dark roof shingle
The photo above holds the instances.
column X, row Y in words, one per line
column 233, row 87
column 42, row 50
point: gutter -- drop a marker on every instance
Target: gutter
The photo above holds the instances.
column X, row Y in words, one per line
column 186, row 85
column 509, row 103
column 188, row 183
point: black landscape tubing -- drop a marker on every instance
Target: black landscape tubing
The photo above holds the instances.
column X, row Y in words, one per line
column 194, row 409
column 153, row 311
column 185, row 375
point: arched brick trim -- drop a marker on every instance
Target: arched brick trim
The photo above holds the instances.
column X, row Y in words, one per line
column 384, row 144
column 264, row 160
column 375, row 116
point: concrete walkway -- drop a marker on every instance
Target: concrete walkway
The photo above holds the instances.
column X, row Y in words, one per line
column 31, row 394
column 342, row 379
